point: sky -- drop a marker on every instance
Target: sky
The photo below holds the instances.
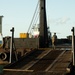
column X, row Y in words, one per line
column 19, row 13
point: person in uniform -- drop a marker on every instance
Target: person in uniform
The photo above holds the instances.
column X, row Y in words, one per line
column 54, row 40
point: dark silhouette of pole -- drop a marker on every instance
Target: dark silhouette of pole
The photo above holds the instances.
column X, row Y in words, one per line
column 43, row 37
column 1, row 24
column 13, row 53
column 73, row 45
column 11, row 48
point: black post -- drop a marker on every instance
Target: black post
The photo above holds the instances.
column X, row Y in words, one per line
column 12, row 30
column 43, row 41
column 72, row 71
column 12, row 41
column 73, row 46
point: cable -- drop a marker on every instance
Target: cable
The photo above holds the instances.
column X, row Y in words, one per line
column 34, row 19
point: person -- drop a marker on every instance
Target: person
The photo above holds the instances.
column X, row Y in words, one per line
column 54, row 40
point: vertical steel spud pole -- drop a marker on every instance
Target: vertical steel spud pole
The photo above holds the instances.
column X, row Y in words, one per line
column 73, row 45
column 11, row 47
column 43, row 25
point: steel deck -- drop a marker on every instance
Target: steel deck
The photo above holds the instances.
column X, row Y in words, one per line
column 42, row 62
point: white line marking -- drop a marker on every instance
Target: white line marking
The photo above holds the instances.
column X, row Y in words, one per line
column 54, row 61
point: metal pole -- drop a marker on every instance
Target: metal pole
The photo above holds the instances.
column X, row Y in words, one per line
column 10, row 51
column 73, row 46
column 1, row 24
column 1, row 66
column 11, row 45
column 43, row 41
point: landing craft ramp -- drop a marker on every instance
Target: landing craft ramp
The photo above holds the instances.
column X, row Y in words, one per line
column 42, row 62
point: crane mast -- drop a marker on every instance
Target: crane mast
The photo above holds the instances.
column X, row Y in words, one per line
column 43, row 25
